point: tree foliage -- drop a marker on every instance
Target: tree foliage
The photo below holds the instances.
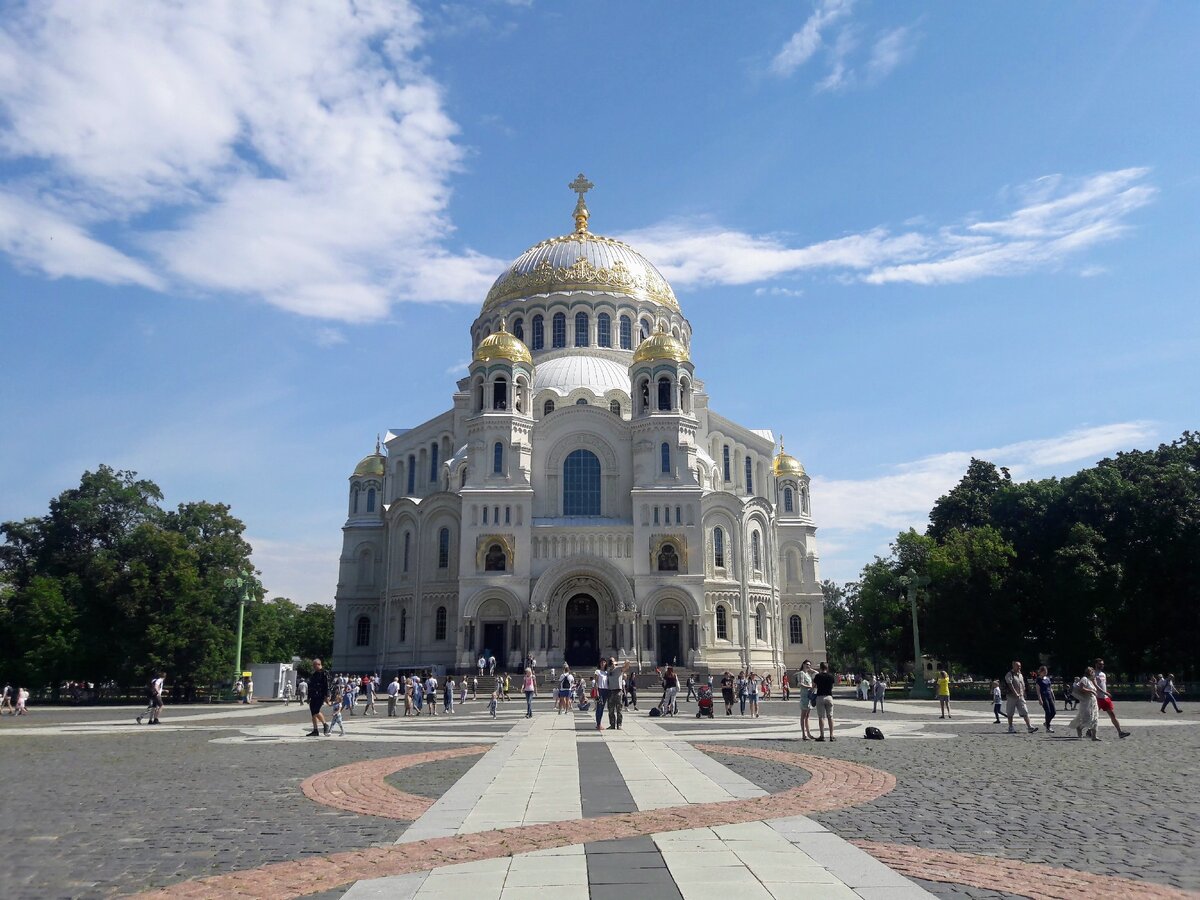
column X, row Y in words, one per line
column 109, row 586
column 1101, row 563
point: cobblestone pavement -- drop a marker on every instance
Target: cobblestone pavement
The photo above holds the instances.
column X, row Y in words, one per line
column 1118, row 807
column 100, row 810
column 114, row 813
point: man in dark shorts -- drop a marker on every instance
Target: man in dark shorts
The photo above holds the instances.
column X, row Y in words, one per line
column 727, row 691
column 318, row 693
column 823, row 683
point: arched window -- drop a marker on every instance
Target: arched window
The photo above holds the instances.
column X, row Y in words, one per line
column 500, row 394
column 787, row 500
column 547, row 407
column 366, row 567
column 519, row 329
column 370, row 499
column 407, row 548
column 498, row 459
column 433, row 461
column 614, row 407
column 439, row 624
column 485, row 515
column 403, row 625
column 719, row 547
column 626, row 333
column 582, row 401
column 444, row 548
column 664, row 394
column 558, row 334
column 645, row 328
column 722, row 623
column 362, row 632
column 494, row 560
column 581, row 329
column 539, row 333
column 749, row 476
column 603, row 330
column 581, row 484
column 354, row 492
column 759, row 615
column 665, row 453
column 668, row 558
column 755, row 554
column 795, row 631
column 412, row 474
column 725, row 461
column 804, row 501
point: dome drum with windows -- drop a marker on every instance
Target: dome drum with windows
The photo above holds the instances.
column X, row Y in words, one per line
column 579, row 497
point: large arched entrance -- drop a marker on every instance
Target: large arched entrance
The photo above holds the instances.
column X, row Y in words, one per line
column 582, row 631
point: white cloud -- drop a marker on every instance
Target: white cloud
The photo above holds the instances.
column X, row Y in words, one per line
column 802, row 45
column 329, row 337
column 1058, row 219
column 295, row 152
column 891, row 49
column 902, row 497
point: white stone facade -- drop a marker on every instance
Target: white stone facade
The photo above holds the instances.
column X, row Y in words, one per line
column 584, row 502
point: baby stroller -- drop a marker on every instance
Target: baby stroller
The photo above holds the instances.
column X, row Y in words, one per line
column 704, row 701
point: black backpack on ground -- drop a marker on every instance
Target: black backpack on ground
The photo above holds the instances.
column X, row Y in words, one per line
column 873, row 734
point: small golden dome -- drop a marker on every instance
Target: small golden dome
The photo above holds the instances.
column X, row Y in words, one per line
column 786, row 464
column 370, row 466
column 502, row 345
column 661, row 345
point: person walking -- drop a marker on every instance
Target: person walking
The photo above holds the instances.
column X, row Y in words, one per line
column 492, row 704
column 302, row 690
column 529, row 686
column 1087, row 717
column 943, row 694
column 462, row 691
column 601, row 688
column 507, row 686
column 878, row 692
column 631, row 687
column 481, row 663
column 1153, row 683
column 249, row 691
column 616, row 716
column 418, row 688
column 369, row 690
column 741, row 692
column 1104, row 698
column 1046, row 695
column 808, row 696
column 448, row 696
column 393, row 691
column 6, row 701
column 1166, row 689
column 491, row 665
column 317, row 694
column 339, row 692
column 287, row 692
column 156, row 697
column 475, row 687
column 753, row 686
column 727, row 691
column 823, row 684
column 997, row 700
column 691, row 686
column 1014, row 680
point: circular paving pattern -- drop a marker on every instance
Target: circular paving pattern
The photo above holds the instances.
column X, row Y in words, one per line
column 834, row 784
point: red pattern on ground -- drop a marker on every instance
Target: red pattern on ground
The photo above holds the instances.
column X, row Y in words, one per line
column 360, row 787
column 834, row 784
column 1033, row 880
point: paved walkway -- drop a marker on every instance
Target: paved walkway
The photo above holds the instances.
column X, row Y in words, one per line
column 557, row 768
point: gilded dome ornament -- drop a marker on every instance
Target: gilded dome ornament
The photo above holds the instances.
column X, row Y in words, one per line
column 371, row 466
column 786, row 464
column 581, row 186
column 661, row 345
column 503, row 345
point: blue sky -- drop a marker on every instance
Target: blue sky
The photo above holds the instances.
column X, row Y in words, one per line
column 237, row 241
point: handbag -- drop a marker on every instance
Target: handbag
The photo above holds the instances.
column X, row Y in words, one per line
column 595, row 693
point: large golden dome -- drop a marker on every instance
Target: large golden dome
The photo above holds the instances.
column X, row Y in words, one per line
column 370, row 466
column 581, row 261
column 502, row 345
column 661, row 345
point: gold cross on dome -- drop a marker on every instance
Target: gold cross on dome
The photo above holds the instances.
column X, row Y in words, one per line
column 581, row 186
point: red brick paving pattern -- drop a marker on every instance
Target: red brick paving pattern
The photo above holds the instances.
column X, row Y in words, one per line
column 834, row 784
column 1033, row 880
column 360, row 787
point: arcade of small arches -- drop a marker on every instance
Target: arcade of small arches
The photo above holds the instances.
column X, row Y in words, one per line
column 587, row 324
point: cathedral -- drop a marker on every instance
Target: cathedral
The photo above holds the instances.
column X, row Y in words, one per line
column 579, row 497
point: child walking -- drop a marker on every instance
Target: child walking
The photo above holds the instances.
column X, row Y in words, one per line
column 336, row 721
column 492, row 705
column 996, row 700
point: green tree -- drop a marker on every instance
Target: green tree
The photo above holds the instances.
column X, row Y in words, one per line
column 314, row 632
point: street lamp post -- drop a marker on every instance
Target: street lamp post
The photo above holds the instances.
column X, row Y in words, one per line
column 914, row 582
column 242, row 584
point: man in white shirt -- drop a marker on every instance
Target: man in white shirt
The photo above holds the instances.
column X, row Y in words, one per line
column 566, row 689
column 601, row 675
column 1014, row 679
column 431, row 696
column 393, row 690
column 1104, row 698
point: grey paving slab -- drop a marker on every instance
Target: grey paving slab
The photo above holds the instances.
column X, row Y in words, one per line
column 394, row 887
